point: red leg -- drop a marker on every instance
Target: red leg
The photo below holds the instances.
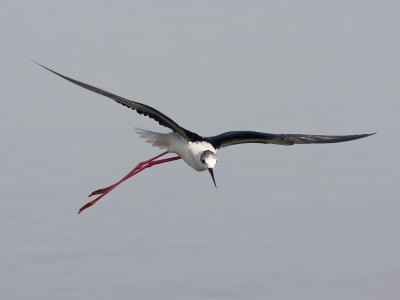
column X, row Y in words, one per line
column 139, row 168
column 131, row 173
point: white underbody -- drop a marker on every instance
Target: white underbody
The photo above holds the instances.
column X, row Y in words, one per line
column 190, row 152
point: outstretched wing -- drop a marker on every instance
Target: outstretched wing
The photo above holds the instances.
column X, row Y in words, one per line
column 241, row 137
column 139, row 107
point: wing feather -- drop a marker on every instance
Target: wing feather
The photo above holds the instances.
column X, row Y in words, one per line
column 241, row 137
column 141, row 108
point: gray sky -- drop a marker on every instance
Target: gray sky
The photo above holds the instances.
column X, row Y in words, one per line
column 300, row 222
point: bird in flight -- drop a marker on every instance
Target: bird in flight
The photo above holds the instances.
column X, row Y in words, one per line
column 197, row 151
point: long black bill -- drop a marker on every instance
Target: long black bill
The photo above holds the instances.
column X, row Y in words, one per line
column 212, row 175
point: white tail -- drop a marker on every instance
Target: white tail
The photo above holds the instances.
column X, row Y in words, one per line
column 160, row 140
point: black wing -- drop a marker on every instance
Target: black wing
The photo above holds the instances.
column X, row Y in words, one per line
column 139, row 107
column 241, row 137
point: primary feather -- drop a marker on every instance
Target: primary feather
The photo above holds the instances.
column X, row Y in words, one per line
column 141, row 108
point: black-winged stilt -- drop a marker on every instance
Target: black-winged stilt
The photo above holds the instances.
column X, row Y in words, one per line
column 197, row 151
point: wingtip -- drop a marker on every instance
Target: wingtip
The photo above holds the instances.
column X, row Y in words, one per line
column 54, row 72
column 36, row 63
column 361, row 136
column 368, row 134
column 43, row 66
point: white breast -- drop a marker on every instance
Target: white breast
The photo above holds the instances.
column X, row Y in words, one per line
column 189, row 151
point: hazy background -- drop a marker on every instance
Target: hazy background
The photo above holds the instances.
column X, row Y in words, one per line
column 301, row 222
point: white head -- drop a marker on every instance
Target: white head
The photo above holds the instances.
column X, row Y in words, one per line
column 209, row 159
